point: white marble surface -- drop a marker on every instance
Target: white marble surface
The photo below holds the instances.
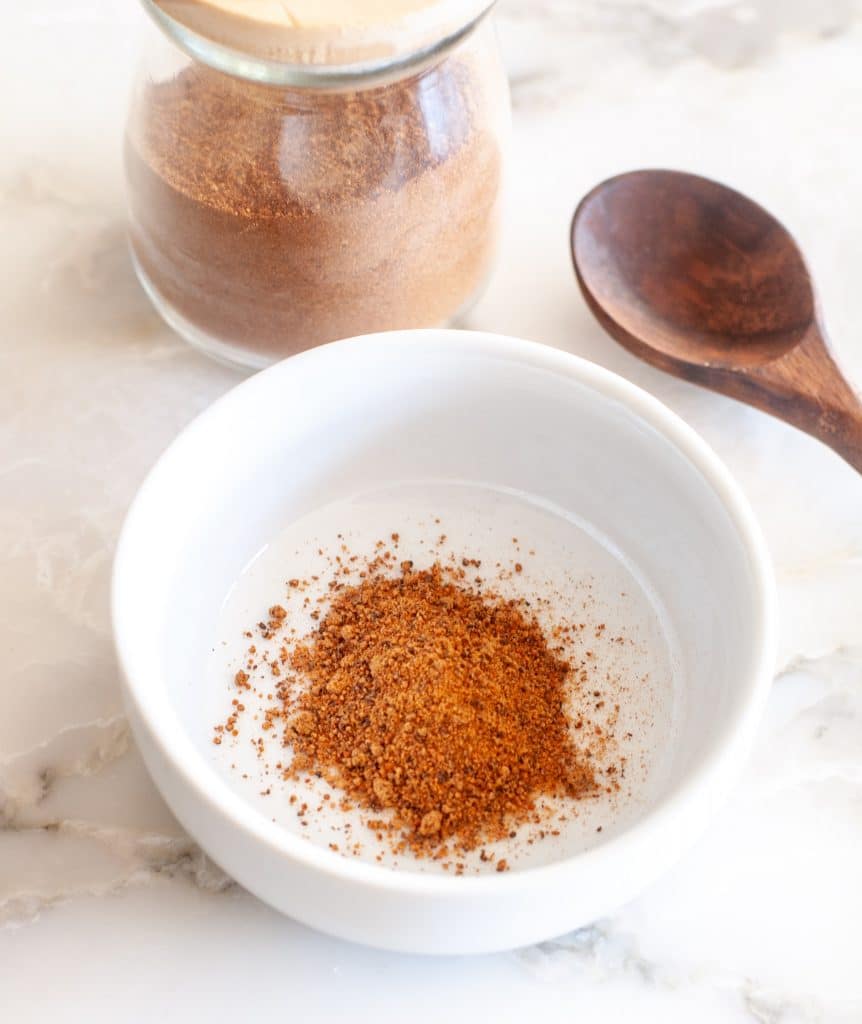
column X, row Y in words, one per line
column 107, row 911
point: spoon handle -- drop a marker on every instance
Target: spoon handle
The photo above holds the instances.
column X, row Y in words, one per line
column 807, row 388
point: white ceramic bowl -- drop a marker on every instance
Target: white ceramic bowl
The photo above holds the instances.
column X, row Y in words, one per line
column 442, row 405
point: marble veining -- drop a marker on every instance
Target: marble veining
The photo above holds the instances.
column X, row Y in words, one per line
column 99, row 886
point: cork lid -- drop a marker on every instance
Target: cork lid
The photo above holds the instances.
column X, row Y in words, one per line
column 319, row 33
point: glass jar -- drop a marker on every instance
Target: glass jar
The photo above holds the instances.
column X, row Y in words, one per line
column 290, row 186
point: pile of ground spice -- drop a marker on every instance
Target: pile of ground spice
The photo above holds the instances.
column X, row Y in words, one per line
column 440, row 704
column 275, row 219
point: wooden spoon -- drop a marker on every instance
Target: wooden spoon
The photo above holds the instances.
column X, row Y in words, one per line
column 703, row 283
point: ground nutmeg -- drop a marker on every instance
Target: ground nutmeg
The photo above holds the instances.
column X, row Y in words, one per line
column 440, row 704
column 274, row 219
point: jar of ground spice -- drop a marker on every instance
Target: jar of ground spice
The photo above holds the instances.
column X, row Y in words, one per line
column 304, row 171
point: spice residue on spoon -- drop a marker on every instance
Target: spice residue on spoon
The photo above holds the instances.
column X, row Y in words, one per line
column 442, row 709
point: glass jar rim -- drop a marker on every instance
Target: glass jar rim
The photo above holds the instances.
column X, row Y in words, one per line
column 311, row 75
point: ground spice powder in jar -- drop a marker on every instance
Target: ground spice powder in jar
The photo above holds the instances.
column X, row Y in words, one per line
column 438, row 703
column 279, row 219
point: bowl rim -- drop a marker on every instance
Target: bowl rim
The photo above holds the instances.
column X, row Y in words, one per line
column 728, row 749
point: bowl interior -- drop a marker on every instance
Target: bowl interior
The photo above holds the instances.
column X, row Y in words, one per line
column 478, row 430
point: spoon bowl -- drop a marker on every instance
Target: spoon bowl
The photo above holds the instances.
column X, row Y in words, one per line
column 705, row 284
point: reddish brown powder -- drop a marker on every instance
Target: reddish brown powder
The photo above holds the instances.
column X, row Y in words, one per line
column 277, row 219
column 440, row 704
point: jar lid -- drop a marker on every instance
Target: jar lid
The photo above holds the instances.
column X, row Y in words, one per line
column 318, row 34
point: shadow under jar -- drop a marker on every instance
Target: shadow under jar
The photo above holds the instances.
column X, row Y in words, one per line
column 294, row 183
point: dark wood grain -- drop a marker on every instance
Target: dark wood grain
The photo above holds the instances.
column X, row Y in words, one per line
column 705, row 284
